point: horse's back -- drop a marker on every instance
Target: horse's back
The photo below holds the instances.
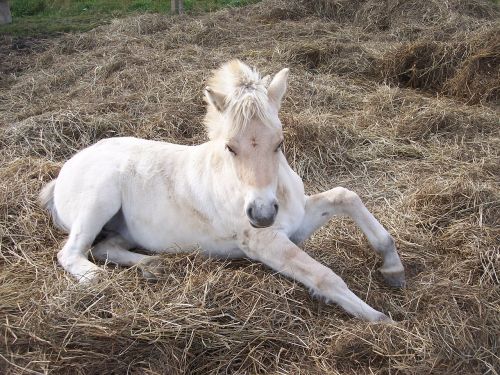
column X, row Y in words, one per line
column 97, row 175
column 117, row 156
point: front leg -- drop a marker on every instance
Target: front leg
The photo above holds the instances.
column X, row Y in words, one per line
column 320, row 208
column 276, row 251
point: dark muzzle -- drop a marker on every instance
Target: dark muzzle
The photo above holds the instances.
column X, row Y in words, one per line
column 262, row 215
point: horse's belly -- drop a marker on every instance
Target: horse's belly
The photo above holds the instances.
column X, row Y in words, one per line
column 177, row 228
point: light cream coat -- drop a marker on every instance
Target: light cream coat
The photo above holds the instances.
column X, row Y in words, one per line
column 233, row 196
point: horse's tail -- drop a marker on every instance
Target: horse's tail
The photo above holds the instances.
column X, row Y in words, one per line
column 46, row 199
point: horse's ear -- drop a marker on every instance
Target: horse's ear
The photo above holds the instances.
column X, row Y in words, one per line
column 217, row 99
column 278, row 86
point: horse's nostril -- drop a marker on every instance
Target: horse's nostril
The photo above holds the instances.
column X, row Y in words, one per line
column 250, row 212
column 276, row 207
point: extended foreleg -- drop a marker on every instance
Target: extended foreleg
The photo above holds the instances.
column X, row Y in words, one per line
column 278, row 252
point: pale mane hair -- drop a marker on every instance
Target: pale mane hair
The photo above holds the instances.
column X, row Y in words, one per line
column 246, row 97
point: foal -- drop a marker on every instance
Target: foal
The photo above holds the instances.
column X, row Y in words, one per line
column 233, row 196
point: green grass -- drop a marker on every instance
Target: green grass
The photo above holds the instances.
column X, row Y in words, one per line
column 48, row 17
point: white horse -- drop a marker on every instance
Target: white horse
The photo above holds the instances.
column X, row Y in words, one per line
column 233, row 196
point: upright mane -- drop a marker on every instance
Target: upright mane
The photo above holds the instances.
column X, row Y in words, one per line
column 245, row 95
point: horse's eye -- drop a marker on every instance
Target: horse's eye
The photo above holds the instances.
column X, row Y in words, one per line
column 230, row 150
column 279, row 146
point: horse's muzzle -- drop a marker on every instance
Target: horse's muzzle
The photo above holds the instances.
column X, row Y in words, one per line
column 262, row 216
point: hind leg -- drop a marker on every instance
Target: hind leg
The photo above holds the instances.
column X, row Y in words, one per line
column 115, row 249
column 73, row 256
column 88, row 221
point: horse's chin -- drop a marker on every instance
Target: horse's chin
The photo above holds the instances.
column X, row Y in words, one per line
column 258, row 226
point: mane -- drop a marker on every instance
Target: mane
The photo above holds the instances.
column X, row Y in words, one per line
column 246, row 97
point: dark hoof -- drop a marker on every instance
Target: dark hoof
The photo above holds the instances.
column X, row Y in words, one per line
column 394, row 279
column 382, row 318
column 152, row 268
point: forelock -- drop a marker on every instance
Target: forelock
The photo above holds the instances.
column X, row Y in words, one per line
column 246, row 96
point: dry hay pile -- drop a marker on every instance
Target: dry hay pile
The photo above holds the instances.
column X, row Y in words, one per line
column 397, row 100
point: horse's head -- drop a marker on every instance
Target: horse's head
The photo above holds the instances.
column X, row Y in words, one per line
column 243, row 116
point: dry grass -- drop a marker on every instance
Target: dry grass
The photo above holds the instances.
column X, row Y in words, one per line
column 465, row 66
column 397, row 100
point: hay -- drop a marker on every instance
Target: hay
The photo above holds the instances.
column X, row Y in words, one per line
column 381, row 100
column 477, row 78
column 465, row 67
column 397, row 14
column 327, row 55
column 419, row 118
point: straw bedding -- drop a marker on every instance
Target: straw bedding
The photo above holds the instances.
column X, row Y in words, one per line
column 397, row 100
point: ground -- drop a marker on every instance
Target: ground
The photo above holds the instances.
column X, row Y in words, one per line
column 49, row 17
column 396, row 100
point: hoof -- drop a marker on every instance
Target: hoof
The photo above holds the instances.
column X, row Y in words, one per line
column 394, row 279
column 91, row 277
column 382, row 318
column 379, row 317
column 151, row 267
column 385, row 320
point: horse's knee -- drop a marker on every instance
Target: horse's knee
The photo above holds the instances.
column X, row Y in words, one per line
column 342, row 197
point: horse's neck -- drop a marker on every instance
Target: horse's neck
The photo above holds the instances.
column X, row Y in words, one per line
column 210, row 174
